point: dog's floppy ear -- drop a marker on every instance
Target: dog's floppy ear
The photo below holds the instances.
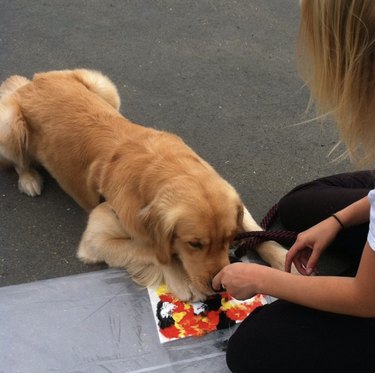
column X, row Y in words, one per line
column 159, row 221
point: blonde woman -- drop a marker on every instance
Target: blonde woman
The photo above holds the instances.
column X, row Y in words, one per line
column 322, row 323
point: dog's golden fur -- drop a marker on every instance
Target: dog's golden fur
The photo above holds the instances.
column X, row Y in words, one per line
column 168, row 215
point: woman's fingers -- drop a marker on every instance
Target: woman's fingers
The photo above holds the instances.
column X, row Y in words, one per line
column 298, row 262
column 312, row 262
column 216, row 282
column 291, row 255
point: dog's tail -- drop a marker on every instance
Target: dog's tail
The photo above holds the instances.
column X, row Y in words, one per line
column 11, row 85
column 100, row 84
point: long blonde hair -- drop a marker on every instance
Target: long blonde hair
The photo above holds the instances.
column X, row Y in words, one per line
column 336, row 58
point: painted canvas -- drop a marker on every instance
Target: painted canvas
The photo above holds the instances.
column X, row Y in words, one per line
column 176, row 319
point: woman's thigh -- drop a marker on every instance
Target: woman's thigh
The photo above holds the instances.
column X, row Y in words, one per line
column 283, row 336
column 312, row 202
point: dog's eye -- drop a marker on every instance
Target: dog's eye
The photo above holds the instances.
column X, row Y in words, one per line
column 196, row 245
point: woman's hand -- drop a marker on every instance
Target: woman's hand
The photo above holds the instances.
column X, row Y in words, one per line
column 309, row 246
column 238, row 279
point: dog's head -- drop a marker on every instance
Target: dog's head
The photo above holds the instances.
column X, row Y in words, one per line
column 195, row 221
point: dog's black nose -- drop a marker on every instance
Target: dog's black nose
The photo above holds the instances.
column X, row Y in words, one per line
column 234, row 259
column 218, row 290
column 222, row 288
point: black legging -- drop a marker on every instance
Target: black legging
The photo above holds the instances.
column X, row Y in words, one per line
column 283, row 336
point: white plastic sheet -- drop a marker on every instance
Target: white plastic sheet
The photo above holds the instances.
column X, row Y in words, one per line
column 96, row 322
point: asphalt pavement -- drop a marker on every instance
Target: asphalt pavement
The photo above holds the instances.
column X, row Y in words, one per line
column 221, row 74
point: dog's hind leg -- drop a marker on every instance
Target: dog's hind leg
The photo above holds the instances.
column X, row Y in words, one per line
column 13, row 137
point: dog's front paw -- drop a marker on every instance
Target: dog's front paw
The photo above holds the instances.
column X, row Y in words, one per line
column 87, row 259
column 30, row 183
column 87, row 253
column 196, row 295
column 186, row 292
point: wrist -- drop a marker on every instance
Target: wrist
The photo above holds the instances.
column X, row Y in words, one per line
column 259, row 274
column 338, row 220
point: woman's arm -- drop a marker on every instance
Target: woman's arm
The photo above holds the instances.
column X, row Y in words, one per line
column 310, row 244
column 355, row 214
column 344, row 295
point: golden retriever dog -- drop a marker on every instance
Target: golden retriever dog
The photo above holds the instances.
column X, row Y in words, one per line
column 167, row 215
